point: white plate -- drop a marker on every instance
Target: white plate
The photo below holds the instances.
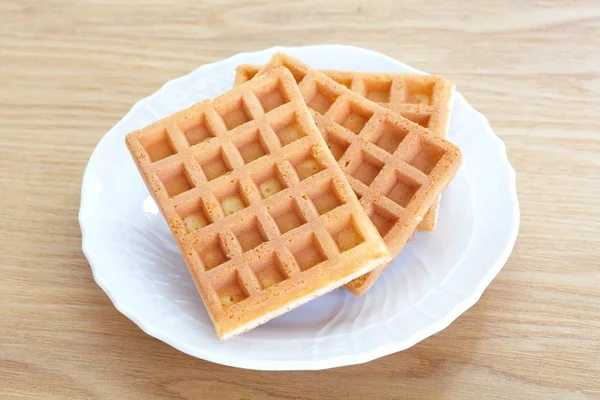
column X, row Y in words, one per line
column 437, row 277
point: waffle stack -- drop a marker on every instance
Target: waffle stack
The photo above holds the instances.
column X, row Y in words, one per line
column 259, row 207
column 396, row 167
column 423, row 99
column 289, row 186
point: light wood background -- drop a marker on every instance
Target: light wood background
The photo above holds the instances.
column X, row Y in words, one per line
column 69, row 70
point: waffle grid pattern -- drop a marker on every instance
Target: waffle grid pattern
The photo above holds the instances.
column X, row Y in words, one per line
column 396, row 167
column 256, row 203
column 423, row 99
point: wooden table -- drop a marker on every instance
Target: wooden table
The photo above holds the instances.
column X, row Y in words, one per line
column 70, row 70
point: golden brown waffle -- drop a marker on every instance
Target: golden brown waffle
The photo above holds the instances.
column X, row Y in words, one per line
column 424, row 99
column 260, row 209
column 396, row 167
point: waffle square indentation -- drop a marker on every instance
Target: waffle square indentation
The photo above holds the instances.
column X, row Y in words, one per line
column 352, row 117
column 269, row 270
column 196, row 130
column 306, row 165
column 236, row 114
column 287, row 215
column 425, row 156
column 365, row 167
column 336, row 144
column 383, row 219
column 249, row 234
column 158, row 145
column 272, row 97
column 231, row 290
column 231, row 198
column 288, row 129
column 378, row 90
column 319, row 98
column 213, row 163
column 250, row 145
column 325, row 197
column 345, row 234
column 418, row 92
column 307, row 251
column 268, row 180
column 194, row 215
column 388, row 136
column 176, row 180
column 401, row 189
column 212, row 253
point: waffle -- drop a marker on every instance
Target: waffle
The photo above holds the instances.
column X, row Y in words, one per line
column 424, row 99
column 260, row 209
column 396, row 167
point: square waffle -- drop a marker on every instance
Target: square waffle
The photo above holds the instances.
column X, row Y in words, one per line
column 396, row 167
column 259, row 208
column 424, row 99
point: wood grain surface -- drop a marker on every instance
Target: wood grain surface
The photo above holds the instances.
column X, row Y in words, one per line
column 69, row 70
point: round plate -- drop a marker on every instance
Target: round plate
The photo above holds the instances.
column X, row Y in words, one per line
column 436, row 277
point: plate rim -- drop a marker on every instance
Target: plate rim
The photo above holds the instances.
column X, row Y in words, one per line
column 336, row 360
